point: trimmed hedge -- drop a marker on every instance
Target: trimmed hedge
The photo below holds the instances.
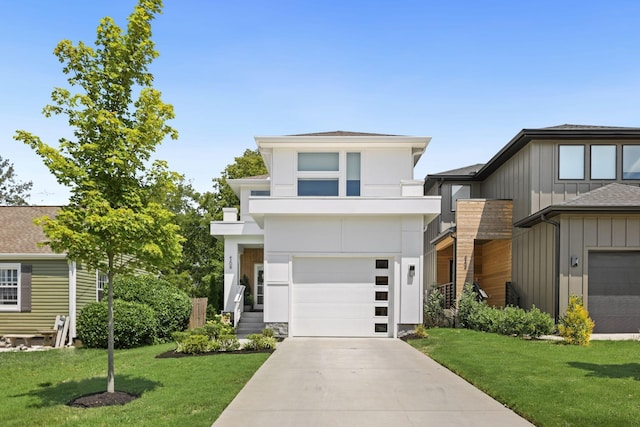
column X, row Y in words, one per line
column 134, row 324
column 473, row 314
column 172, row 306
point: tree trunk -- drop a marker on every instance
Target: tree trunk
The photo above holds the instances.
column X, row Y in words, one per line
column 111, row 383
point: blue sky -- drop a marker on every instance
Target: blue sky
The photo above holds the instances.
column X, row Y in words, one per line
column 470, row 74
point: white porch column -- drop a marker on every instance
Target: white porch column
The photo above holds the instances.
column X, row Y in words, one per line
column 230, row 273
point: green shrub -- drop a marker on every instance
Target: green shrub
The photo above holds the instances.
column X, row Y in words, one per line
column 468, row 307
column 267, row 332
column 220, row 325
column 194, row 344
column 134, row 324
column 259, row 342
column 541, row 323
column 434, row 308
column 509, row 320
column 421, row 331
column 576, row 326
column 172, row 307
column 228, row 342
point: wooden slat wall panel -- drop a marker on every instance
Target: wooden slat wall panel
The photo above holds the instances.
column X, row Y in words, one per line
column 250, row 257
column 481, row 220
column 496, row 270
column 49, row 297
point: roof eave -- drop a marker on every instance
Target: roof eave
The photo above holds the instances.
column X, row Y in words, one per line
column 551, row 211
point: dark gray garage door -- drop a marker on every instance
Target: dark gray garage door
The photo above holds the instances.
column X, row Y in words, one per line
column 614, row 291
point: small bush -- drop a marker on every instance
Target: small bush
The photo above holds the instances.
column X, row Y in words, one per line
column 421, row 331
column 468, row 307
column 267, row 332
column 228, row 343
column 171, row 306
column 259, row 342
column 194, row 344
column 576, row 326
column 134, row 325
column 434, row 308
column 217, row 327
column 541, row 323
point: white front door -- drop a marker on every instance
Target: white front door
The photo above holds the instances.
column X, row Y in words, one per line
column 258, row 288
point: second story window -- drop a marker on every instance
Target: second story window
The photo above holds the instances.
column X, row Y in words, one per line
column 459, row 191
column 631, row 162
column 318, row 174
column 571, row 162
column 603, row 162
column 353, row 174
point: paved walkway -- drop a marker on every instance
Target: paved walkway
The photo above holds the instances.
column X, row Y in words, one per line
column 359, row 382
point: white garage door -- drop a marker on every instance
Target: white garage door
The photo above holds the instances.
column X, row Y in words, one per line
column 338, row 297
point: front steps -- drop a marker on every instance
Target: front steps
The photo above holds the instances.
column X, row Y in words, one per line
column 251, row 322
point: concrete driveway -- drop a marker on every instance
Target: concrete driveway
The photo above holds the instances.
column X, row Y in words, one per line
column 359, row 382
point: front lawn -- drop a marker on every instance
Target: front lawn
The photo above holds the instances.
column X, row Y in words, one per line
column 193, row 391
column 549, row 383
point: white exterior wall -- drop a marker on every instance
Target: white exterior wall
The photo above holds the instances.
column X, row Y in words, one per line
column 395, row 237
column 383, row 170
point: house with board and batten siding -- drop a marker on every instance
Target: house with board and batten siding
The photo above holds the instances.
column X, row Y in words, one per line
column 36, row 284
column 555, row 213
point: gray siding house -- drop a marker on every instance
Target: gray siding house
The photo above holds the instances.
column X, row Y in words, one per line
column 35, row 283
column 555, row 213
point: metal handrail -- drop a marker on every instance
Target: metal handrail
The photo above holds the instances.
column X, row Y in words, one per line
column 239, row 303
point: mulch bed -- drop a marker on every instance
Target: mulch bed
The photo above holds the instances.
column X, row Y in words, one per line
column 172, row 354
column 97, row 400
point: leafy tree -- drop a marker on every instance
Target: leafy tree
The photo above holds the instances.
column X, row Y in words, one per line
column 116, row 220
column 12, row 192
column 201, row 271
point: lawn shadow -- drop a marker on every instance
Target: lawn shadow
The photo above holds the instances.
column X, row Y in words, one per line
column 62, row 393
column 625, row 370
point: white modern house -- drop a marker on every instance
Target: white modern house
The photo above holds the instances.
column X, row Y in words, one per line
column 331, row 242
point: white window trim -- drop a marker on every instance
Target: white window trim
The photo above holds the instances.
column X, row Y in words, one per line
column 98, row 274
column 18, row 267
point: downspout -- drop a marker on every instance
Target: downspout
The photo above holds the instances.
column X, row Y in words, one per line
column 556, row 279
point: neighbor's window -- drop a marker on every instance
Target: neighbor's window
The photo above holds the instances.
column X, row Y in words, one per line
column 631, row 162
column 101, row 281
column 603, row 162
column 459, row 192
column 260, row 192
column 353, row 174
column 318, row 162
column 9, row 285
column 571, row 163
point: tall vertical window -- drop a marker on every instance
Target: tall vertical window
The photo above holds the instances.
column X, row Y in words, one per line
column 459, row 192
column 9, row 285
column 353, row 174
column 571, row 162
column 101, row 281
column 603, row 162
column 631, row 162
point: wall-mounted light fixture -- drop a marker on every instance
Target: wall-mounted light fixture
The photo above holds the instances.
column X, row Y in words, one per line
column 230, row 262
column 412, row 270
column 575, row 261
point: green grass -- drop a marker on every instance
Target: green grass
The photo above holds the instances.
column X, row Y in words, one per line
column 549, row 383
column 189, row 391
